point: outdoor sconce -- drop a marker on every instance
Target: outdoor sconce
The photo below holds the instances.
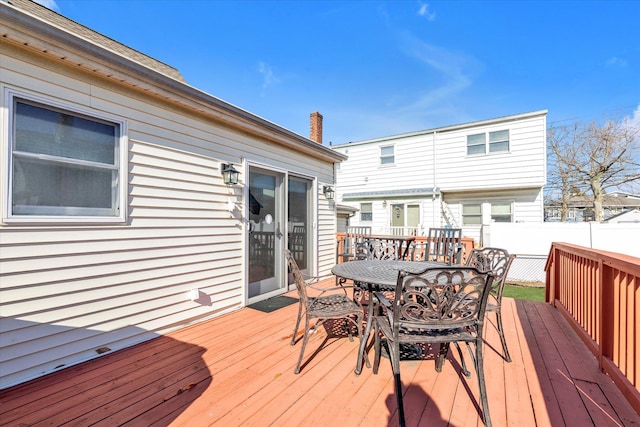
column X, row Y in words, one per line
column 329, row 192
column 229, row 174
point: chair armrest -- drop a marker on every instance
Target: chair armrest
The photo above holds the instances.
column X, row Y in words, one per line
column 382, row 299
column 324, row 290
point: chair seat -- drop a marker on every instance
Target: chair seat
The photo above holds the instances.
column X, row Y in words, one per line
column 328, row 303
column 332, row 306
column 406, row 335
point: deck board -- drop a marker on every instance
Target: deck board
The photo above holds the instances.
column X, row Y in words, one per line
column 237, row 369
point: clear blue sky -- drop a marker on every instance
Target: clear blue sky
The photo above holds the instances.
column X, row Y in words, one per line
column 379, row 68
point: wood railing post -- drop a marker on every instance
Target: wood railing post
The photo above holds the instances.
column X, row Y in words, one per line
column 607, row 324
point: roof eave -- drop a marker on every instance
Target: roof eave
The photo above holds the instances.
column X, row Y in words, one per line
column 24, row 29
column 446, row 128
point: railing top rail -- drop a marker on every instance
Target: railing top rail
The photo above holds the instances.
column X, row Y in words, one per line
column 616, row 260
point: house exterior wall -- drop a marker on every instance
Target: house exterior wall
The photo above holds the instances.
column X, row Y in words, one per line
column 433, row 170
column 70, row 292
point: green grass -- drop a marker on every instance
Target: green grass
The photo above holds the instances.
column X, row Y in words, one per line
column 524, row 292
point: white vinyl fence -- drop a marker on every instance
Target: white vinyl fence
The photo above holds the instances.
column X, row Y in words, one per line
column 531, row 242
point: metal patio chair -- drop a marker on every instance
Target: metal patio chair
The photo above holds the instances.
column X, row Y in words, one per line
column 330, row 303
column 498, row 261
column 440, row 305
column 345, row 249
column 443, row 245
column 382, row 249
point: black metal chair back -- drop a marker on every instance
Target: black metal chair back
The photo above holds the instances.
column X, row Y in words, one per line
column 441, row 305
column 498, row 261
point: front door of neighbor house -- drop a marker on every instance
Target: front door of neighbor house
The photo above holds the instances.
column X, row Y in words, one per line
column 267, row 228
column 397, row 219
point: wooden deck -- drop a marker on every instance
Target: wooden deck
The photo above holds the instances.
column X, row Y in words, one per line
column 237, row 370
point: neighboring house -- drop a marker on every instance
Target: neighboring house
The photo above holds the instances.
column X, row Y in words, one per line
column 458, row 176
column 344, row 214
column 580, row 208
column 626, row 217
column 116, row 224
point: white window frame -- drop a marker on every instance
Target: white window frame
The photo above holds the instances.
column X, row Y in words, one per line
column 362, row 212
column 117, row 212
column 385, row 156
column 511, row 213
column 473, row 149
column 497, row 142
column 493, row 142
column 462, row 213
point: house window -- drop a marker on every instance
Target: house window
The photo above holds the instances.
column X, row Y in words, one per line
column 501, row 212
column 499, row 141
column 387, row 155
column 472, row 214
column 366, row 212
column 476, row 144
column 63, row 165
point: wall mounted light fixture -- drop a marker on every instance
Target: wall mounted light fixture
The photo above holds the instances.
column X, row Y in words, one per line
column 329, row 192
column 229, row 174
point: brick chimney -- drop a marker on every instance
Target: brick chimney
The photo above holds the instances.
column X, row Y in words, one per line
column 316, row 127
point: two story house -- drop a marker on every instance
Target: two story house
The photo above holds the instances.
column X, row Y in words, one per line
column 464, row 175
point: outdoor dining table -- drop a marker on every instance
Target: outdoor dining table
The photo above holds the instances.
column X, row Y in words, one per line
column 378, row 275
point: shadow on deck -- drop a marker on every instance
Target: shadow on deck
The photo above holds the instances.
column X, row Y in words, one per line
column 237, row 369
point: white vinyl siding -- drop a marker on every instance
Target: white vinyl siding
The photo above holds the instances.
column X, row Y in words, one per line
column 70, row 290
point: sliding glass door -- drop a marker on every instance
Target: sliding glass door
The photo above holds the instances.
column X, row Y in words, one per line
column 266, row 225
column 280, row 212
column 300, row 221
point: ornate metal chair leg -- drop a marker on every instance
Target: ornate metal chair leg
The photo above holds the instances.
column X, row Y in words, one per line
column 465, row 371
column 442, row 355
column 304, row 344
column 505, row 350
column 295, row 331
column 394, row 355
column 481, row 383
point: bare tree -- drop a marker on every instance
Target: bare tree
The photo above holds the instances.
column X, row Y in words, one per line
column 594, row 157
column 562, row 179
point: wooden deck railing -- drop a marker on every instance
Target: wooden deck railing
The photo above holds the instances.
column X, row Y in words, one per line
column 599, row 294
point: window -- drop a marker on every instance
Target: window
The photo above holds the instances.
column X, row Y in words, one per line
column 366, row 212
column 386, row 155
column 64, row 165
column 476, row 144
column 499, row 141
column 501, row 212
column 472, row 214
